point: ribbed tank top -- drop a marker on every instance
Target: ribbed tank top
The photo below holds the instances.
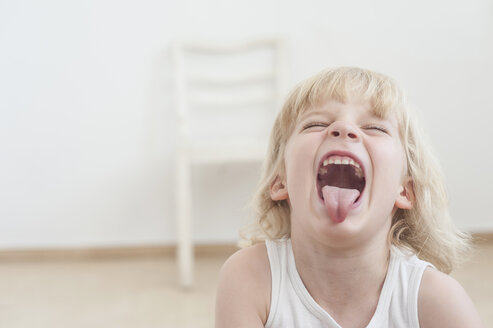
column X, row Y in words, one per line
column 292, row 305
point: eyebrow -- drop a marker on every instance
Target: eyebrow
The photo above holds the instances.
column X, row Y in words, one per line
column 312, row 113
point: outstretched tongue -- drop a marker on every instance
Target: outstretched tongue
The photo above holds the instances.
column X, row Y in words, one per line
column 338, row 201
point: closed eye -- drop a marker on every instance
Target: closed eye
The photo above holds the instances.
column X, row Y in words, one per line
column 376, row 127
column 315, row 124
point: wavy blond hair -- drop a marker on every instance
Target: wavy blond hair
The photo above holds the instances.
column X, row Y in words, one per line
column 426, row 229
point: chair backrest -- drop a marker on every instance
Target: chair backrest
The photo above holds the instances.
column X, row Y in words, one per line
column 227, row 90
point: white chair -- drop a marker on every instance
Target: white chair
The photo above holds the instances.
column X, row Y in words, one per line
column 216, row 86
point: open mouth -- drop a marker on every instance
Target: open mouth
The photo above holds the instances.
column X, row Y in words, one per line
column 342, row 172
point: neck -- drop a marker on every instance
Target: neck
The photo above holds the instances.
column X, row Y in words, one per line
column 343, row 280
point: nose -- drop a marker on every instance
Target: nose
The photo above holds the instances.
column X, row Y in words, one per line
column 343, row 130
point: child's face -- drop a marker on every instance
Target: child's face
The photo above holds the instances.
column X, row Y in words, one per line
column 336, row 202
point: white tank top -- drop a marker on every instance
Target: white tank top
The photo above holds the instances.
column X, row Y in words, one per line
column 292, row 305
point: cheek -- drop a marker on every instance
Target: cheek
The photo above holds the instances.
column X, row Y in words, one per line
column 299, row 159
column 391, row 164
column 299, row 156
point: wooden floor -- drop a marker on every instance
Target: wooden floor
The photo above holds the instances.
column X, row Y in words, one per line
column 142, row 291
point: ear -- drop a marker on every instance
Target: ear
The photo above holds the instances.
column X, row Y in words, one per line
column 278, row 190
column 405, row 198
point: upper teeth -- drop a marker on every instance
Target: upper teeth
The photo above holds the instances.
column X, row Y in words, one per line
column 340, row 160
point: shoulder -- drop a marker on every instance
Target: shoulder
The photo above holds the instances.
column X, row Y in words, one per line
column 243, row 294
column 442, row 302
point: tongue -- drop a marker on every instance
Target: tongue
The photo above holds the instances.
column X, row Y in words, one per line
column 338, row 201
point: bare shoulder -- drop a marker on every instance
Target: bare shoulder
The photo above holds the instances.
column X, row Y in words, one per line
column 243, row 293
column 442, row 302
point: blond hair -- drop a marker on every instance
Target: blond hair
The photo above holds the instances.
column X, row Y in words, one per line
column 426, row 229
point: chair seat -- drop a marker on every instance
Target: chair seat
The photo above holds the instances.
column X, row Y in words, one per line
column 228, row 152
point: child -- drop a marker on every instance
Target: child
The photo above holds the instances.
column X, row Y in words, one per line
column 353, row 228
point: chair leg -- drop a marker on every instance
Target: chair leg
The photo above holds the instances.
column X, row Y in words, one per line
column 184, row 225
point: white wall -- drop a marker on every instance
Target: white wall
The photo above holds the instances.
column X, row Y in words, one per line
column 86, row 117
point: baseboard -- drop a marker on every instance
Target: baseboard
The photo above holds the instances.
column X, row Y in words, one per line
column 483, row 237
column 200, row 251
